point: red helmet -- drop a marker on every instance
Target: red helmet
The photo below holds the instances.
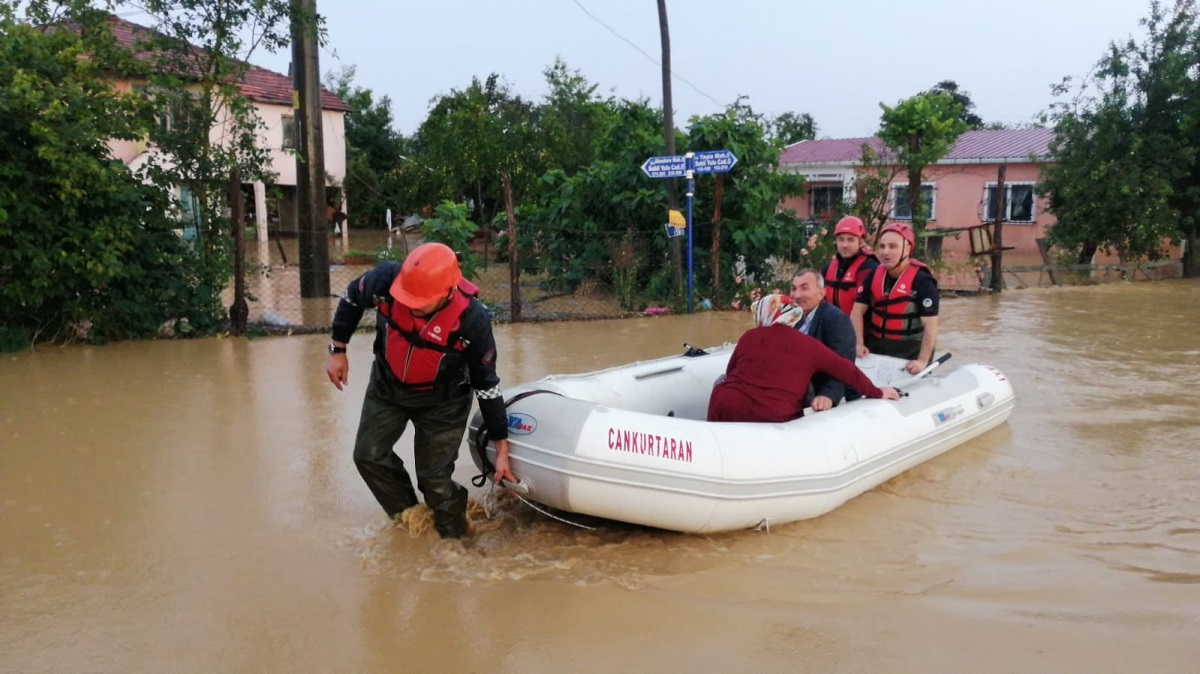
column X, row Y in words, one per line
column 850, row 225
column 428, row 274
column 903, row 230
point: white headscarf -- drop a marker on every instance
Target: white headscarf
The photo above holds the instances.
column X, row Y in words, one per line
column 776, row 309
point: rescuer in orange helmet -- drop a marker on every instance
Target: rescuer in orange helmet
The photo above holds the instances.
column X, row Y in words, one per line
column 433, row 345
column 902, row 296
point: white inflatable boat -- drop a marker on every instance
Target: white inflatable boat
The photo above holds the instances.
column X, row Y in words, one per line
column 631, row 443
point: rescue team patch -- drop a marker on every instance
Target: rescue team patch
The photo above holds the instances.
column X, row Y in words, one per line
column 489, row 356
column 928, row 302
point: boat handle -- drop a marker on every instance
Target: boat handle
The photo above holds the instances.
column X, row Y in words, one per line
column 521, row 487
column 647, row 375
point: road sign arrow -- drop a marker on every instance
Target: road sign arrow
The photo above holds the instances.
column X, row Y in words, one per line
column 668, row 166
column 714, row 161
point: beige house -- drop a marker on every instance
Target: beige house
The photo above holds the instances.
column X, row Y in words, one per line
column 271, row 94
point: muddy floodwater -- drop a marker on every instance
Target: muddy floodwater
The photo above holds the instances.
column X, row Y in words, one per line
column 191, row 506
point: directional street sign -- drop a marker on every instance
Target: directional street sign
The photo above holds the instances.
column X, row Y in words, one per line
column 669, row 166
column 676, row 166
column 715, row 161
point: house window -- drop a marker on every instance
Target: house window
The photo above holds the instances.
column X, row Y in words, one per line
column 902, row 210
column 288, row 125
column 175, row 113
column 824, row 200
column 1018, row 202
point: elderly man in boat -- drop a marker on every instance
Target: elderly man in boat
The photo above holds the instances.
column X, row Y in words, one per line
column 772, row 365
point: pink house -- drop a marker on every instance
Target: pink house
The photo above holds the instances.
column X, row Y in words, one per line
column 271, row 94
column 959, row 191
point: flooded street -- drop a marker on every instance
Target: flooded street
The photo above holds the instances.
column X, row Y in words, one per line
column 191, row 506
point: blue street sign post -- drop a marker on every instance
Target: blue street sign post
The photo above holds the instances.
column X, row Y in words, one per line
column 687, row 166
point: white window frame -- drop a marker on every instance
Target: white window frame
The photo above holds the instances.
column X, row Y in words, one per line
column 932, row 201
column 1008, row 202
column 812, row 210
column 284, row 122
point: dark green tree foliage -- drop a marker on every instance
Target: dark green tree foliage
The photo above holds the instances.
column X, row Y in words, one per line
column 791, row 127
column 1126, row 173
column 374, row 153
column 572, row 119
column 919, row 131
column 966, row 107
column 580, row 218
column 467, row 139
column 86, row 250
column 751, row 224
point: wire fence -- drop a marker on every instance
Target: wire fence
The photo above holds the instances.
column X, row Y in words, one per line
column 273, row 280
column 631, row 281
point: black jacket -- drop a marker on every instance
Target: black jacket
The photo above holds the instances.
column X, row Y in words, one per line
column 832, row 328
column 477, row 363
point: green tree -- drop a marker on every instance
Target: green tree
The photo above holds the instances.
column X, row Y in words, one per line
column 194, row 61
column 1126, row 173
column 750, row 226
column 374, row 152
column 966, row 107
column 571, row 118
column 919, row 131
column 469, row 137
column 578, row 219
column 791, row 127
column 86, row 249
column 872, row 190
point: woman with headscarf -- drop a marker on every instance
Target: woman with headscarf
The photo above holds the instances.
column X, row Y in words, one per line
column 768, row 374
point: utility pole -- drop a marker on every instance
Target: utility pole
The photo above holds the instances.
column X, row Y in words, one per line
column 310, row 152
column 669, row 137
column 239, row 311
column 998, row 233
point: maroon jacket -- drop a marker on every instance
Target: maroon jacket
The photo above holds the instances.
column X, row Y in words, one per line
column 768, row 375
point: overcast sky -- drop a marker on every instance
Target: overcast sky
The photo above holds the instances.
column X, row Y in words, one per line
column 834, row 60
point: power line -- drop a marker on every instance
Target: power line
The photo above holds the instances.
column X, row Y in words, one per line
column 643, row 52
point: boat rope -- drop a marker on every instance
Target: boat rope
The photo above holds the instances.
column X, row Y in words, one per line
column 764, row 525
column 481, row 438
column 487, row 510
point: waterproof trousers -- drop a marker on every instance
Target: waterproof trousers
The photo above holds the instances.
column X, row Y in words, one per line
column 440, row 420
column 908, row 349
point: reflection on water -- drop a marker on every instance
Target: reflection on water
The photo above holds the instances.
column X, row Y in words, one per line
column 192, row 506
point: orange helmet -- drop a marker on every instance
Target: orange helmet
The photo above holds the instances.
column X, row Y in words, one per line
column 428, row 274
column 903, row 230
column 850, row 225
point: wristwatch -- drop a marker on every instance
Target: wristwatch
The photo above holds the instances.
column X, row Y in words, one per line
column 334, row 348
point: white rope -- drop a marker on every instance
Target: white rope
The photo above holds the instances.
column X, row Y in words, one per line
column 764, row 525
column 532, row 505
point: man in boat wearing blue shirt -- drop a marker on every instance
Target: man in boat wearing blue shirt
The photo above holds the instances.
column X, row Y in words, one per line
column 433, row 345
column 902, row 296
column 828, row 325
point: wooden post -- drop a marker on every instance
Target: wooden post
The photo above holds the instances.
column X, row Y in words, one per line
column 998, row 235
column 1044, row 251
column 514, row 263
column 239, row 311
column 718, row 197
column 676, row 244
column 310, row 152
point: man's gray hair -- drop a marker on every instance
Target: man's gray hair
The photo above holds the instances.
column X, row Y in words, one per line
column 815, row 273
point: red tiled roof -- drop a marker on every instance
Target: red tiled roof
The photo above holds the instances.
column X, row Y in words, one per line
column 1007, row 144
column 258, row 84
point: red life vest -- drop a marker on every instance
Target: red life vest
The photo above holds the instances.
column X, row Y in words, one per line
column 414, row 347
column 894, row 315
column 841, row 292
